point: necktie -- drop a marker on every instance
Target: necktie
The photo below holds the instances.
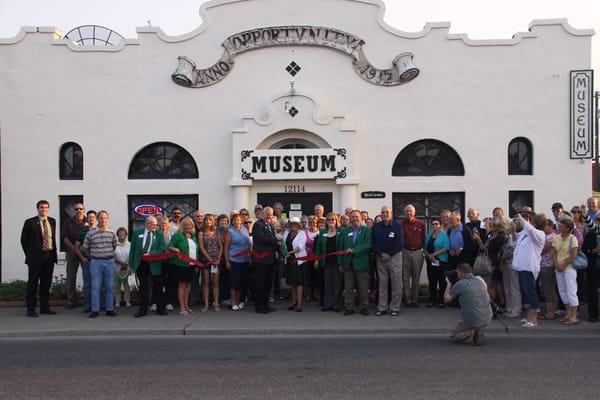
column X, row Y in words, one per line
column 147, row 244
column 46, row 236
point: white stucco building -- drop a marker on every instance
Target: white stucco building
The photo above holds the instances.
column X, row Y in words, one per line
column 430, row 117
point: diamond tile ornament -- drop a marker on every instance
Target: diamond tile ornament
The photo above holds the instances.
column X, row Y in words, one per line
column 293, row 111
column 293, row 68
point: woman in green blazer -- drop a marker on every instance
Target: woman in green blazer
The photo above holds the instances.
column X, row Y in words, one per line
column 328, row 241
column 185, row 242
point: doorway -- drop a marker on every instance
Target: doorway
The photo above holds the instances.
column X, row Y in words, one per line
column 297, row 204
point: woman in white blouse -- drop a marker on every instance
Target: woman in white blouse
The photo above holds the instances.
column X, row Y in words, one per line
column 122, row 270
column 294, row 240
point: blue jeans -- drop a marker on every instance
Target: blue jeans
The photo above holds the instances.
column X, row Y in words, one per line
column 102, row 273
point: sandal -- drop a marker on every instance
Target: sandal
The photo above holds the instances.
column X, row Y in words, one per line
column 184, row 313
column 571, row 322
column 291, row 308
column 529, row 325
column 217, row 308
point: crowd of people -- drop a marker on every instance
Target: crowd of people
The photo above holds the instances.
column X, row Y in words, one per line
column 339, row 260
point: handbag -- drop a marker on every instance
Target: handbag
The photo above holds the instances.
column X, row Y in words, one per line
column 581, row 261
column 483, row 264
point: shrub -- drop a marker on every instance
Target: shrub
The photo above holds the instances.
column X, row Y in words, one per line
column 13, row 290
column 58, row 290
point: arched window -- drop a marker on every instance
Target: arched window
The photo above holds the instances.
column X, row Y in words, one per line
column 428, row 157
column 70, row 163
column 520, row 157
column 294, row 144
column 163, row 160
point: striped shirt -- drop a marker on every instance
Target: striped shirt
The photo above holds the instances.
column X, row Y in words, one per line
column 101, row 244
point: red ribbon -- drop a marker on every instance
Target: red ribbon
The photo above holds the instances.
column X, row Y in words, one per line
column 183, row 257
column 323, row 256
column 258, row 256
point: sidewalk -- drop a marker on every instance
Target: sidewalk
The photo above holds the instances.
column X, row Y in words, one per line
column 14, row 323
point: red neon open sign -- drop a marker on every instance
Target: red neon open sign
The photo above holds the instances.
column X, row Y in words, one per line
column 147, row 209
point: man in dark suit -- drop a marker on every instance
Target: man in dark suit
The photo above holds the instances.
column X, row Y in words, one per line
column 265, row 243
column 38, row 239
column 148, row 241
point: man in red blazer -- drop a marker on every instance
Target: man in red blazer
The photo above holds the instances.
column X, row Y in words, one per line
column 38, row 239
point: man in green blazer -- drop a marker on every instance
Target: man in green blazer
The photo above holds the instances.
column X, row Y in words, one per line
column 148, row 241
column 357, row 239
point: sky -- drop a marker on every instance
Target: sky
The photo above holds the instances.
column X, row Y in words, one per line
column 481, row 19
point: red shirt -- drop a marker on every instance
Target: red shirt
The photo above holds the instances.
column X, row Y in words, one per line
column 414, row 234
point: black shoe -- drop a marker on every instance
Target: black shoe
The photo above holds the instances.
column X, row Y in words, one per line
column 298, row 309
column 271, row 309
column 441, row 305
column 94, row 314
column 379, row 313
column 325, row 309
column 337, row 310
column 291, row 308
column 478, row 337
column 162, row 312
column 364, row 311
column 32, row 314
column 430, row 305
column 348, row 312
column 87, row 310
column 262, row 311
column 140, row 314
column 111, row 314
column 48, row 312
column 593, row 320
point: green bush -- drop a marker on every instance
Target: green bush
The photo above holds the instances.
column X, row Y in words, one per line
column 13, row 290
column 58, row 290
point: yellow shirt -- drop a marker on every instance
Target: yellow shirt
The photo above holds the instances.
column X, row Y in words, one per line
column 562, row 247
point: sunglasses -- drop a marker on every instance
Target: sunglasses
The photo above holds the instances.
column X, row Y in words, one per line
column 79, row 209
column 247, row 222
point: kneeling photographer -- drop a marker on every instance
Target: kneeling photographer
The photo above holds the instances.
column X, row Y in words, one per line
column 475, row 311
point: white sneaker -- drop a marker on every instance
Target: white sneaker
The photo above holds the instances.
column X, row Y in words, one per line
column 241, row 305
column 235, row 308
column 169, row 307
column 128, row 304
column 153, row 307
column 271, row 299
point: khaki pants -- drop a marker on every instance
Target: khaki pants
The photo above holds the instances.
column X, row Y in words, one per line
column 390, row 270
column 412, row 264
column 463, row 333
column 362, row 283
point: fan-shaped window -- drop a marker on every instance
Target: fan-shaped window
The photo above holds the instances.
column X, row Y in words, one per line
column 163, row 160
column 294, row 144
column 428, row 158
column 93, row 35
column 70, row 164
column 520, row 157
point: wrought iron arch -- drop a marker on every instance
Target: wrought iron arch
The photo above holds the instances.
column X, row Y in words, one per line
column 520, row 157
column 70, row 162
column 163, row 160
column 428, row 157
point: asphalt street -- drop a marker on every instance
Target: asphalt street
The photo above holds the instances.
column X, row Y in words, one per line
column 508, row 366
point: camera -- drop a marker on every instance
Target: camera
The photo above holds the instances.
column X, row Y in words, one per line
column 452, row 276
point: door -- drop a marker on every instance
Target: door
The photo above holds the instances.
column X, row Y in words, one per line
column 429, row 205
column 297, row 204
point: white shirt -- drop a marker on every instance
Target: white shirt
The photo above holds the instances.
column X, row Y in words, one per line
column 122, row 254
column 528, row 250
column 298, row 242
column 192, row 250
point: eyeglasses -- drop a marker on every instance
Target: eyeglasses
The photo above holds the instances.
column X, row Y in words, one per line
column 247, row 222
column 330, row 220
column 79, row 209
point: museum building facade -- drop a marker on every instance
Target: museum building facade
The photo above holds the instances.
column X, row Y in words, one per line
column 318, row 101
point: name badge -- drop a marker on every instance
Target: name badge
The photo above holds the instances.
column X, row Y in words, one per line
column 392, row 234
column 351, row 234
column 141, row 236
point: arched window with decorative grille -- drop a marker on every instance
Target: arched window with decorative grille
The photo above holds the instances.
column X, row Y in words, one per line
column 520, row 157
column 428, row 157
column 70, row 163
column 163, row 160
